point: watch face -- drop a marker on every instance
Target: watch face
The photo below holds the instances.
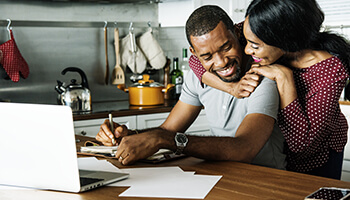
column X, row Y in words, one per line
column 181, row 138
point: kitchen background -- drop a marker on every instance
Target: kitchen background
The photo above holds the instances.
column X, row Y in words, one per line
column 50, row 48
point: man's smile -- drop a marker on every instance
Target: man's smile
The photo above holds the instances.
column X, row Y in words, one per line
column 229, row 70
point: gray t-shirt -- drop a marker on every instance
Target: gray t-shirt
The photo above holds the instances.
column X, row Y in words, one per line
column 225, row 114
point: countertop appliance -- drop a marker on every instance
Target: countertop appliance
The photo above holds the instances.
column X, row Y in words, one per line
column 77, row 96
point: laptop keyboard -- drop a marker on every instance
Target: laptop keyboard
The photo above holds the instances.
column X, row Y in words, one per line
column 86, row 181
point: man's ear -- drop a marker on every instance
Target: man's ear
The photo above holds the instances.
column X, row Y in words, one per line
column 192, row 51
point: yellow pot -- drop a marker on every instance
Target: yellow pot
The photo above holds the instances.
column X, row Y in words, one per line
column 146, row 92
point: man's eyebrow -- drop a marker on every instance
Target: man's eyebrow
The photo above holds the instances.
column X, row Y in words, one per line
column 221, row 47
column 204, row 54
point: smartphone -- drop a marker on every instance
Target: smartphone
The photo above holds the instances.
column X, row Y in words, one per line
column 330, row 193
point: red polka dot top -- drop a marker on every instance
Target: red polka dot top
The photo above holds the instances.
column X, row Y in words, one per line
column 313, row 123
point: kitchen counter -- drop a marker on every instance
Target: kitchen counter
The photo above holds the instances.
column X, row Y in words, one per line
column 122, row 108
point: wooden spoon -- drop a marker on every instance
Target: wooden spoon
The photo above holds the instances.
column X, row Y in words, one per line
column 118, row 73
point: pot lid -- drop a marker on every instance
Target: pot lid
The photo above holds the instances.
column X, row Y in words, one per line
column 74, row 84
column 146, row 82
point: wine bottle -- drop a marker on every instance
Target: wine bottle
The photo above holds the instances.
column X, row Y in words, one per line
column 176, row 78
column 184, row 64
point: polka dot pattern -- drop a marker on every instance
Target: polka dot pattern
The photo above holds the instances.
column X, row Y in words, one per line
column 12, row 60
column 313, row 123
column 196, row 66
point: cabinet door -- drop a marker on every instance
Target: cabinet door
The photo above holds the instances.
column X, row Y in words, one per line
column 234, row 8
column 91, row 127
column 150, row 120
column 174, row 13
column 346, row 111
column 199, row 127
column 346, row 162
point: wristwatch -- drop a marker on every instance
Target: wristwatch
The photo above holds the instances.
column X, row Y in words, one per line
column 181, row 142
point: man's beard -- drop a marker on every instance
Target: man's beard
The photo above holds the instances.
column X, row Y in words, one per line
column 235, row 78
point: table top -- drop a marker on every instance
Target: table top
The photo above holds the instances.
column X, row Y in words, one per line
column 240, row 181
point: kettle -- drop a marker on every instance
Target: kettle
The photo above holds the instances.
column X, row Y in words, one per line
column 77, row 96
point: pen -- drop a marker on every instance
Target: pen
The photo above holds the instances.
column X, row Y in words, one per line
column 112, row 127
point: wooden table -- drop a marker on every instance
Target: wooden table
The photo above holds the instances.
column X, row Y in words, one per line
column 240, row 181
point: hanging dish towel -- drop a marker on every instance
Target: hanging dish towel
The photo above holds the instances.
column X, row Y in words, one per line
column 12, row 60
column 152, row 50
column 127, row 56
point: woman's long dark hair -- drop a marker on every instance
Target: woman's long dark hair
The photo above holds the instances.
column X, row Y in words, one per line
column 294, row 25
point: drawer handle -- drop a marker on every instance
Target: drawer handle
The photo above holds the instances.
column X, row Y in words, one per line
column 83, row 132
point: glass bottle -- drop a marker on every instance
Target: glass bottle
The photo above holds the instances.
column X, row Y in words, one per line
column 184, row 64
column 176, row 78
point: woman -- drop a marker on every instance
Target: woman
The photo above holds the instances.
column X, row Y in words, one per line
column 310, row 68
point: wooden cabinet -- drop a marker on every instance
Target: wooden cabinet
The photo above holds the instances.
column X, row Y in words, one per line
column 176, row 13
column 199, row 127
column 150, row 120
column 91, row 127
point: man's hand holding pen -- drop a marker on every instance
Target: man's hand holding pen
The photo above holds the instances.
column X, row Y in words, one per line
column 110, row 131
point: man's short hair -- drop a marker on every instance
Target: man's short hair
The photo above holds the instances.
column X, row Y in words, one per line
column 205, row 19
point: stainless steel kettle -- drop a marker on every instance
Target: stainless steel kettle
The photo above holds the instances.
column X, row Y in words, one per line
column 77, row 96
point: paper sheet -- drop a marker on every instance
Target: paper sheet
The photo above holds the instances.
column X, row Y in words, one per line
column 146, row 175
column 92, row 163
column 174, row 186
column 157, row 182
column 154, row 182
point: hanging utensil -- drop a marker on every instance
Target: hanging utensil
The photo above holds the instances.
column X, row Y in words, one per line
column 133, row 77
column 118, row 73
column 9, row 28
column 106, row 52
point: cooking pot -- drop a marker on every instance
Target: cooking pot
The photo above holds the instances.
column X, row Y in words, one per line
column 77, row 96
column 146, row 92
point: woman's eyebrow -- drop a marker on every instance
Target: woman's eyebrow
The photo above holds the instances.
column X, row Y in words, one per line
column 253, row 42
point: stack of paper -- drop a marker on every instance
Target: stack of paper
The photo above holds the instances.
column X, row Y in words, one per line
column 164, row 182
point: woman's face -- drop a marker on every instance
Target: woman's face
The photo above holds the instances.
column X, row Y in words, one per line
column 262, row 53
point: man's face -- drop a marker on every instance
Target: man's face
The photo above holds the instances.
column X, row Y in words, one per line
column 219, row 52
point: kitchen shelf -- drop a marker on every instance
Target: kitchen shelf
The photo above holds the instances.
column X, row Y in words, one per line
column 77, row 24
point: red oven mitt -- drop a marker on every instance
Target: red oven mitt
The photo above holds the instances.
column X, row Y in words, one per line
column 12, row 60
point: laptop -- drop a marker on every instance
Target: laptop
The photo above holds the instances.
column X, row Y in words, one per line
column 38, row 150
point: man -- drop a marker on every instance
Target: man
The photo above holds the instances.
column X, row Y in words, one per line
column 242, row 130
